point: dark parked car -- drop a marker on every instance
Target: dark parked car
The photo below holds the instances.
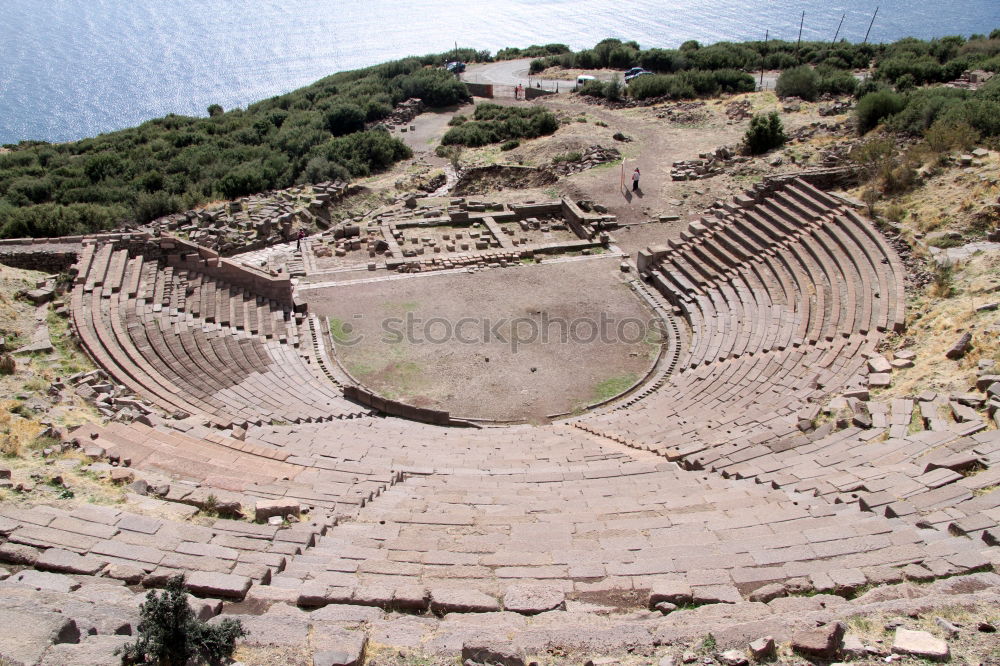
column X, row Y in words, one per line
column 455, row 67
column 634, row 73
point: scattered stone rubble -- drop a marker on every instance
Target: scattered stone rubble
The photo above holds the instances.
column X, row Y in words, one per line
column 347, row 237
column 707, row 164
column 684, row 113
column 837, row 108
column 255, row 221
column 113, row 401
column 402, row 115
column 791, row 104
column 739, row 110
column 970, row 411
column 809, row 131
column 590, row 158
column 970, row 79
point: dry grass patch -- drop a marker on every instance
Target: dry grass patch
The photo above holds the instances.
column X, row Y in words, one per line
column 937, row 318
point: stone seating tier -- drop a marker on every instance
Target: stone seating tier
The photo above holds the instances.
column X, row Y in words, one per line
column 195, row 345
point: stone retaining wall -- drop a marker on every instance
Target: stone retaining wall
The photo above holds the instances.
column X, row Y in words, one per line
column 53, row 255
column 396, row 408
column 480, row 89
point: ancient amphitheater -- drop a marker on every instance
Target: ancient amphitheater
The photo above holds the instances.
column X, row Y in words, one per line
column 746, row 480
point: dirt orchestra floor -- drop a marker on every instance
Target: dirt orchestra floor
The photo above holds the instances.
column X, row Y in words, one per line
column 517, row 343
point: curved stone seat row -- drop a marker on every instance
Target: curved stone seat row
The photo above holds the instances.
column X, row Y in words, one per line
column 785, row 294
column 205, row 462
column 794, row 268
column 743, row 401
column 195, row 345
column 939, row 479
column 606, row 535
column 417, row 448
column 130, row 546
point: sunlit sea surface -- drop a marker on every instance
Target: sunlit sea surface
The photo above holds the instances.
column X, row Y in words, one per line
column 76, row 68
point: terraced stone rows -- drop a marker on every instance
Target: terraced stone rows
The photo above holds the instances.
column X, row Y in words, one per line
column 133, row 547
column 822, row 268
column 606, row 534
column 241, row 369
column 785, row 293
column 390, row 443
column 232, row 471
column 925, row 478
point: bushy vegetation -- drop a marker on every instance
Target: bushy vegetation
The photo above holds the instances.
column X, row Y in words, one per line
column 492, row 123
column 765, row 133
column 684, row 85
column 171, row 635
column 924, row 61
column 747, row 56
column 690, row 84
column 174, row 163
column 610, row 90
column 808, row 83
column 874, row 107
column 534, row 51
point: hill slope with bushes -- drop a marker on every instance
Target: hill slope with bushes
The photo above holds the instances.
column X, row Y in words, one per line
column 175, row 163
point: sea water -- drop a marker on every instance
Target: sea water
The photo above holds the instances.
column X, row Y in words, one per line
column 76, row 68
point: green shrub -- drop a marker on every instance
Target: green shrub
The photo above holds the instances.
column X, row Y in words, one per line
column 924, row 107
column 593, row 88
column 537, row 66
column 510, row 145
column 492, row 123
column 574, row 156
column 868, row 86
column 690, row 84
column 662, row 60
column 151, row 205
column 171, row 635
column 613, row 90
column 905, row 83
column 943, row 137
column 765, row 133
column 835, row 81
column 876, row 106
column 534, row 51
column 435, row 87
column 982, row 114
column 661, row 85
column 801, row 82
column 344, row 119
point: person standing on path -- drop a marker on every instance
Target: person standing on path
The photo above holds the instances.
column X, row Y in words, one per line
column 635, row 180
column 298, row 239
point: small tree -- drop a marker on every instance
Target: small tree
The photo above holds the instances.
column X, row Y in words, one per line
column 214, row 110
column 801, row 82
column 344, row 119
column 170, row 634
column 765, row 133
column 875, row 107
